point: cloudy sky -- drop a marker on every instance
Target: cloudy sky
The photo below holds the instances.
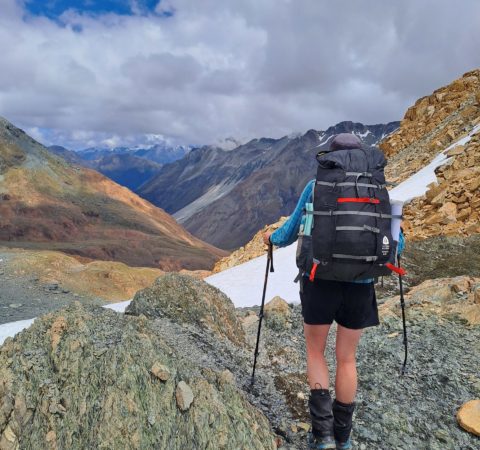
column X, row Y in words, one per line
column 124, row 72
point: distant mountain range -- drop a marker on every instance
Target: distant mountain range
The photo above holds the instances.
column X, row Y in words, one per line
column 129, row 167
column 124, row 168
column 225, row 197
column 159, row 153
column 49, row 203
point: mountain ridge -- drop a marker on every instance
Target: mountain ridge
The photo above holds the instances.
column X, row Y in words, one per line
column 47, row 203
column 211, row 191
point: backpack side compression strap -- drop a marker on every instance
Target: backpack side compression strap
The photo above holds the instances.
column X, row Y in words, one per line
column 360, row 213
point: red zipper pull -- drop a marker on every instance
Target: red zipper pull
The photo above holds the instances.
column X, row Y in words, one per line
column 396, row 269
column 312, row 272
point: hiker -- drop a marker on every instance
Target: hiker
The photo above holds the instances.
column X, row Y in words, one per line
column 352, row 304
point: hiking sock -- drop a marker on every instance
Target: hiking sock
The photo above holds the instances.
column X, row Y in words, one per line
column 342, row 422
column 320, row 404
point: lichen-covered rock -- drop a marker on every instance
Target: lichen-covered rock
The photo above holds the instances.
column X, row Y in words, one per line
column 277, row 313
column 188, row 300
column 82, row 378
column 160, row 371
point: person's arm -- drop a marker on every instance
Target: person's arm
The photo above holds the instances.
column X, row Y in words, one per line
column 288, row 232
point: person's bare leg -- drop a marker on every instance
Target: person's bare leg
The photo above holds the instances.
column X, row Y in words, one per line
column 317, row 369
column 346, row 374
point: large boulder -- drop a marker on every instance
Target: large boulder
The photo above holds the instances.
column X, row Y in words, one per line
column 277, row 313
column 93, row 378
column 188, row 300
column 453, row 298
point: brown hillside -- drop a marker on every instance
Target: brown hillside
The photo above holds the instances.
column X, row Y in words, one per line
column 46, row 203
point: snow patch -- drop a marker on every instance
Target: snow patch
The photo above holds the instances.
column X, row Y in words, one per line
column 322, row 141
column 118, row 307
column 244, row 283
column 364, row 135
column 12, row 328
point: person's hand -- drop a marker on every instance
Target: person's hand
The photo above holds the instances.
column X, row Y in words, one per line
column 266, row 237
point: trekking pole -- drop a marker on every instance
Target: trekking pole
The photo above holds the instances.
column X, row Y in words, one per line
column 260, row 315
column 402, row 303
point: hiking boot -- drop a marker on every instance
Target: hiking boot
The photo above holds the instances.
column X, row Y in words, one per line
column 344, row 446
column 342, row 423
column 317, row 443
column 320, row 404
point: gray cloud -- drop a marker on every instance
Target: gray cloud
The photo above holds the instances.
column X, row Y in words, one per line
column 230, row 68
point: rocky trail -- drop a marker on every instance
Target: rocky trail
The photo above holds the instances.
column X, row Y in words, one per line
column 26, row 296
column 126, row 374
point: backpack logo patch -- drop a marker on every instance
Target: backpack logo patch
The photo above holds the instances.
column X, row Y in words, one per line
column 385, row 246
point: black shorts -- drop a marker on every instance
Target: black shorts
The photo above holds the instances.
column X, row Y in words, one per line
column 351, row 305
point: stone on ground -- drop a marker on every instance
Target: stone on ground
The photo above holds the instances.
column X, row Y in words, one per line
column 184, row 395
column 469, row 416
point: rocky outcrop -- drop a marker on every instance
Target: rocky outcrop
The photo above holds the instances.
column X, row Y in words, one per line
column 454, row 298
column 436, row 120
column 442, row 257
column 451, row 206
column 277, row 313
column 188, row 300
column 254, row 248
column 92, row 378
column 435, row 123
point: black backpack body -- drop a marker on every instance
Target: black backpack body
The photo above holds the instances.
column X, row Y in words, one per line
column 351, row 236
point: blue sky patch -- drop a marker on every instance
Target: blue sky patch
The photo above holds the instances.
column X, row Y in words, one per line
column 55, row 8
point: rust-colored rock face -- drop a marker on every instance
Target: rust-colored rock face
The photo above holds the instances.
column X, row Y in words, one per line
column 251, row 250
column 46, row 203
column 438, row 121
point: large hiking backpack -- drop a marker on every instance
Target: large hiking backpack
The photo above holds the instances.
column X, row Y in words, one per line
column 351, row 235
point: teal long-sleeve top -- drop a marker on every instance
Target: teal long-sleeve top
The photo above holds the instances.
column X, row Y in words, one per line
column 288, row 233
